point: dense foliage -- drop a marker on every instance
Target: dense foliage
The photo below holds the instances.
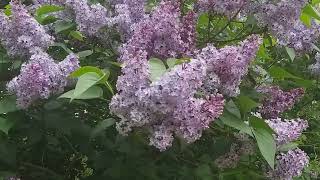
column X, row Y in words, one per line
column 159, row 89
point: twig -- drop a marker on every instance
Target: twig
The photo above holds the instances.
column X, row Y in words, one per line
column 229, row 22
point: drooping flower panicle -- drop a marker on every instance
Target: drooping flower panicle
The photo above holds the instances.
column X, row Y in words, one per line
column 41, row 77
column 20, row 32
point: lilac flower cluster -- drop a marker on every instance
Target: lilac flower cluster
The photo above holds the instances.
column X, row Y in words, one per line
column 162, row 35
column 300, row 37
column 227, row 7
column 289, row 165
column 129, row 12
column 279, row 16
column 20, row 32
column 278, row 101
column 166, row 107
column 287, row 130
column 41, row 77
column 135, row 9
column 230, row 63
column 90, row 18
column 283, row 20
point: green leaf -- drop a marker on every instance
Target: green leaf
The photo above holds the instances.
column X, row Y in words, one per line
column 102, row 126
column 85, row 69
column 203, row 172
column 5, row 125
column 260, row 123
column 265, row 140
column 8, row 104
column 77, row 35
column 279, row 73
column 305, row 83
column 233, row 109
column 172, row 62
column 311, row 11
column 47, row 20
column 291, row 53
column 63, row 25
column 91, row 93
column 157, row 69
column 246, row 104
column 86, row 81
column 7, row 10
column 85, row 53
column 306, row 19
column 46, row 9
column 63, row 46
column 288, row 146
column 231, row 117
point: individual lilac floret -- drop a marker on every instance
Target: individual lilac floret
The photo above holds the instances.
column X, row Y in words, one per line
column 278, row 101
column 227, row 7
column 315, row 68
column 21, row 33
column 287, row 130
column 230, row 63
column 41, row 77
column 89, row 18
column 289, row 165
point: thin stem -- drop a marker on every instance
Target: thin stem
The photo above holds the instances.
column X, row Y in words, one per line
column 229, row 22
column 69, row 143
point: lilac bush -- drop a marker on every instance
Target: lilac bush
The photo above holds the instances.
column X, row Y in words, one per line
column 163, row 89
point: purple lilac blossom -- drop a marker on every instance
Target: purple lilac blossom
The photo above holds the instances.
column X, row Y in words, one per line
column 41, row 77
column 283, row 20
column 289, row 165
column 300, row 37
column 230, row 63
column 287, row 130
column 20, row 32
column 167, row 111
column 188, row 32
column 278, row 16
column 135, row 76
column 90, row 18
column 278, row 101
column 128, row 13
column 162, row 35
